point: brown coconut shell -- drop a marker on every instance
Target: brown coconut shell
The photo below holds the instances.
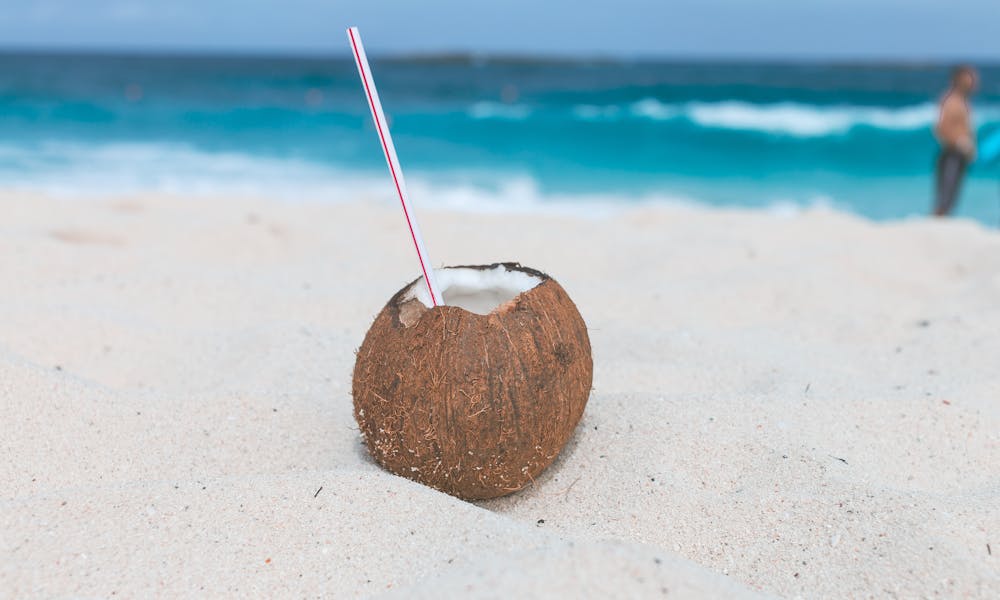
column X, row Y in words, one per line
column 473, row 405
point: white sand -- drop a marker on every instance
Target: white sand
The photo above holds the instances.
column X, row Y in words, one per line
column 804, row 406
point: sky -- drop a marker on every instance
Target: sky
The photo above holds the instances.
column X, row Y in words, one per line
column 909, row 30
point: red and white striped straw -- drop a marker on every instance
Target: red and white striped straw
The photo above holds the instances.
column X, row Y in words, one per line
column 365, row 71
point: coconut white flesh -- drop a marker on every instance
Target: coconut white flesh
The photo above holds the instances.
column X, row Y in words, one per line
column 476, row 290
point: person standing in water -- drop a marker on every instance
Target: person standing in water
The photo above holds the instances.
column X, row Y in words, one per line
column 954, row 134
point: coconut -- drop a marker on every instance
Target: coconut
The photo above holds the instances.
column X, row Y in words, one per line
column 476, row 397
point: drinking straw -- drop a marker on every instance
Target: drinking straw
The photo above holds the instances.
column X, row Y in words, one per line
column 365, row 71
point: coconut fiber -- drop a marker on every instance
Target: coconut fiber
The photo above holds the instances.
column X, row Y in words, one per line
column 473, row 405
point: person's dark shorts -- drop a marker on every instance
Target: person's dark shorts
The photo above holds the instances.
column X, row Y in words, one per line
column 950, row 172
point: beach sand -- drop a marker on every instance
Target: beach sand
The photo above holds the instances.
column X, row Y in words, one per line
column 802, row 405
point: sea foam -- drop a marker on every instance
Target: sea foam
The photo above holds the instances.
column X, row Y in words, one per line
column 72, row 169
column 498, row 110
column 783, row 118
column 807, row 121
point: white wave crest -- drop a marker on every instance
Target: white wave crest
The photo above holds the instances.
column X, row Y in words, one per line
column 792, row 119
column 497, row 110
column 74, row 169
column 783, row 118
column 808, row 121
column 651, row 108
column 69, row 168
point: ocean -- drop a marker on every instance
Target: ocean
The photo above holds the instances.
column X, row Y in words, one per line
column 489, row 133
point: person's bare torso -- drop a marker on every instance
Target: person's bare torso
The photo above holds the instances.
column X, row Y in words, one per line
column 954, row 126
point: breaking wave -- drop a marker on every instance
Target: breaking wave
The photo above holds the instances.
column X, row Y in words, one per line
column 808, row 121
column 73, row 169
column 497, row 110
column 785, row 118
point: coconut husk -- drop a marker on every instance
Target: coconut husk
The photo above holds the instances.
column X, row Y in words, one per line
column 473, row 405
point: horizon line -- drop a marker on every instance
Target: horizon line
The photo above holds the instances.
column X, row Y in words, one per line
column 474, row 56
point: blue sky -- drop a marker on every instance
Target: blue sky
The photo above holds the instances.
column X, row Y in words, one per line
column 791, row 29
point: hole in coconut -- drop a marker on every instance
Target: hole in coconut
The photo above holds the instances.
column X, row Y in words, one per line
column 476, row 290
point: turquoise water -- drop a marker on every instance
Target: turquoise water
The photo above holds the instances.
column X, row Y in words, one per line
column 488, row 134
